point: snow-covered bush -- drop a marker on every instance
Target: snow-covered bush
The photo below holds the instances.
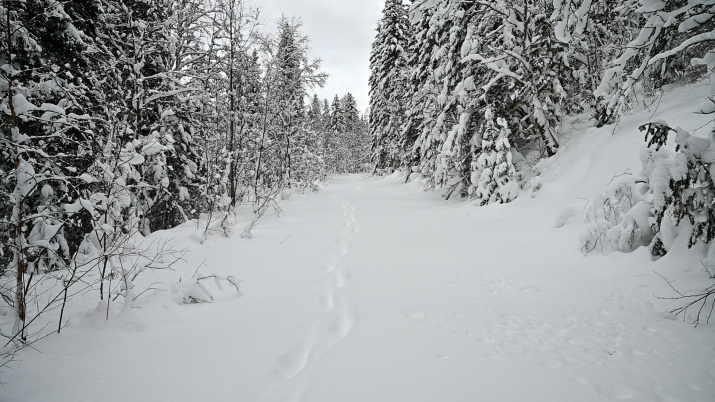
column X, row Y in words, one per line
column 673, row 195
column 677, row 188
column 683, row 194
column 676, row 40
column 617, row 220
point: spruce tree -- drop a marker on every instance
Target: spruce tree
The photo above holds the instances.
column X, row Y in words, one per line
column 388, row 63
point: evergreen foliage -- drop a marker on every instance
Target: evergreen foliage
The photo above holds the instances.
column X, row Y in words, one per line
column 484, row 86
column 388, row 69
column 459, row 67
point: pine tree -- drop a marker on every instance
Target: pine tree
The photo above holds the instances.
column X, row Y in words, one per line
column 423, row 102
column 472, row 57
column 337, row 121
column 326, row 111
column 349, row 111
column 179, row 116
column 335, row 127
column 388, row 62
column 493, row 172
column 315, row 114
column 355, row 138
column 594, row 32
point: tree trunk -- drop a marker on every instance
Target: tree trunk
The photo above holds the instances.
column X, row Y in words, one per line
column 19, row 197
column 232, row 111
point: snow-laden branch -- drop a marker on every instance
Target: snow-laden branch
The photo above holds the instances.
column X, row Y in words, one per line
column 703, row 37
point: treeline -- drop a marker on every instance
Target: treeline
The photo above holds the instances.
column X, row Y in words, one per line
column 471, row 94
column 345, row 133
column 124, row 117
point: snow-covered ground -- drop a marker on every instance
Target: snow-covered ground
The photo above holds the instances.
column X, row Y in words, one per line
column 372, row 290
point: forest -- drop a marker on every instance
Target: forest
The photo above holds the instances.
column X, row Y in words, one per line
column 129, row 117
column 471, row 96
column 123, row 119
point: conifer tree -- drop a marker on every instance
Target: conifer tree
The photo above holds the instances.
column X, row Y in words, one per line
column 293, row 74
column 423, row 102
column 315, row 113
column 326, row 110
column 349, row 110
column 355, row 151
column 493, row 171
column 388, row 63
column 335, row 126
column 472, row 57
column 673, row 36
column 337, row 121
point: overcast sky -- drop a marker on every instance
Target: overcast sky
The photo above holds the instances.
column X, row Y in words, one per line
column 341, row 33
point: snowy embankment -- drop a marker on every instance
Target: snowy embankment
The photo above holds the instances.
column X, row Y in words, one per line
column 371, row 290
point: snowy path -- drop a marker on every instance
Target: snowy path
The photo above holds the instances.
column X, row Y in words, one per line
column 374, row 291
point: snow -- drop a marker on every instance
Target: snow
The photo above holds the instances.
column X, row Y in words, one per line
column 22, row 105
column 372, row 290
column 87, row 178
column 648, row 6
column 52, row 108
column 153, row 148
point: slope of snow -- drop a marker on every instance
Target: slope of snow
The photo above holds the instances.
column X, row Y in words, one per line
column 372, row 290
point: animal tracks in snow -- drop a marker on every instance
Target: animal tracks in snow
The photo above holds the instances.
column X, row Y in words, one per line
column 339, row 315
column 601, row 342
column 397, row 295
column 343, row 317
column 291, row 363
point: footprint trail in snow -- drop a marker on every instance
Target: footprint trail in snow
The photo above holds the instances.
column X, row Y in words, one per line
column 292, row 369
